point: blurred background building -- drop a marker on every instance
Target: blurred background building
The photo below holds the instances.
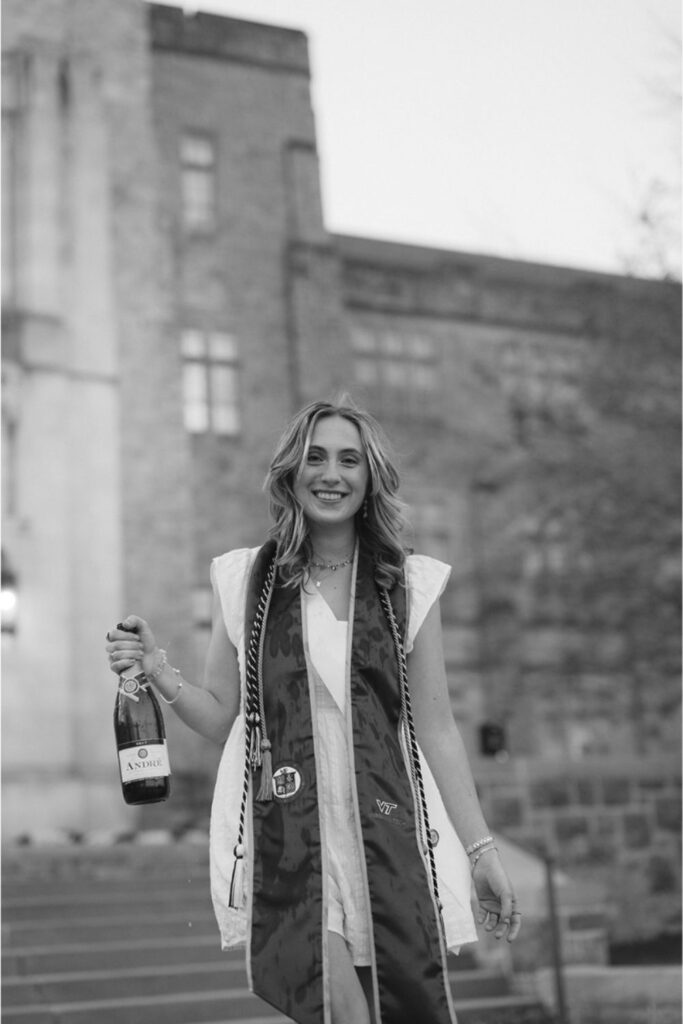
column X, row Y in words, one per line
column 170, row 295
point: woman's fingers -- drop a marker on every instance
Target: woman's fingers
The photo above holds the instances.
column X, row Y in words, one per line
column 500, row 916
column 125, row 644
column 515, row 925
column 124, row 647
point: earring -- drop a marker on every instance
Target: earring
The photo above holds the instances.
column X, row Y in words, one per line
column 365, row 509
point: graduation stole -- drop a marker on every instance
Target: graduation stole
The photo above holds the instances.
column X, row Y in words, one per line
column 288, row 940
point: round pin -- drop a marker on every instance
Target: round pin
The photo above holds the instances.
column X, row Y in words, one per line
column 286, row 782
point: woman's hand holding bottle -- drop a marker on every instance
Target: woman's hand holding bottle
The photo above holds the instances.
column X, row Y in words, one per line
column 129, row 643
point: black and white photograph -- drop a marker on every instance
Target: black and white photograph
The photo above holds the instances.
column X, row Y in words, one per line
column 341, row 512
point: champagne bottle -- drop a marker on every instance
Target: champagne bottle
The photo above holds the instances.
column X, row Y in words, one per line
column 141, row 740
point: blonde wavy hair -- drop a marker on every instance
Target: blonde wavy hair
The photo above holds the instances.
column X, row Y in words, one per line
column 379, row 524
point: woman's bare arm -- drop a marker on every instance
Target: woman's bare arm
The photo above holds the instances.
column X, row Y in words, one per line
column 437, row 733
column 442, row 745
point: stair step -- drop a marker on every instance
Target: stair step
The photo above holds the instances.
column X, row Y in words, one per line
column 210, row 1007
column 22, row 961
column 84, row 986
column 502, row 1010
column 96, row 906
column 128, row 936
column 168, row 923
column 173, row 1008
column 105, row 876
column 76, row 986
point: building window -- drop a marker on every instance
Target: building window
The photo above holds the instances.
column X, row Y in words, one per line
column 543, row 386
column 210, row 383
column 198, row 181
column 398, row 370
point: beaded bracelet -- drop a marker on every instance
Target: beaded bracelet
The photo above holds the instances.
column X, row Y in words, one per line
column 155, row 673
column 469, row 850
column 487, row 849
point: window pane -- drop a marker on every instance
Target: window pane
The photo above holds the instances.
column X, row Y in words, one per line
column 196, row 418
column 392, row 344
column 396, row 374
column 198, row 198
column 224, row 406
column 194, row 383
column 193, row 344
column 197, row 151
column 363, row 340
column 223, row 385
column 420, row 347
column 223, row 346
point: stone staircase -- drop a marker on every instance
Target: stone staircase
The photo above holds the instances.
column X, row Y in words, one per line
column 126, row 935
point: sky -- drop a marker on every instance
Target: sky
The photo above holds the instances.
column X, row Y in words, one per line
column 530, row 129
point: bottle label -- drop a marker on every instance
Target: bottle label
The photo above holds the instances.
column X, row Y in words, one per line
column 130, row 686
column 147, row 761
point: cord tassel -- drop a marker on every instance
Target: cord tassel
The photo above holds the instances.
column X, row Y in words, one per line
column 265, row 792
column 236, row 898
column 255, row 743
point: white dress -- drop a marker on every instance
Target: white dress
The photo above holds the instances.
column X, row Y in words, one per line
column 347, row 904
column 327, row 646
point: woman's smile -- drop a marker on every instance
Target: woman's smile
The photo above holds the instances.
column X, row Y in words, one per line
column 333, row 481
column 329, row 496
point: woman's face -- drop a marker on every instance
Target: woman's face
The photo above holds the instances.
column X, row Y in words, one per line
column 334, row 480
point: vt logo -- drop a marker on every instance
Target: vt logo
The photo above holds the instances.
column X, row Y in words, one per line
column 385, row 807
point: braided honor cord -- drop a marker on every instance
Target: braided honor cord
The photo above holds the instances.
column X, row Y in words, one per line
column 256, row 744
column 413, row 752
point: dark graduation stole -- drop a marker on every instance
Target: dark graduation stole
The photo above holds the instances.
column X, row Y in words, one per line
column 287, row 942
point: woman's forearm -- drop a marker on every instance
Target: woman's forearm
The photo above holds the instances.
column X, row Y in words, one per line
column 447, row 758
column 195, row 705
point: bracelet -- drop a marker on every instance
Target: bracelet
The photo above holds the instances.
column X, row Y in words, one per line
column 480, row 842
column 177, row 693
column 487, row 849
column 155, row 673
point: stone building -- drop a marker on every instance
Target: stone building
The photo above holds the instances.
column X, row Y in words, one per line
column 171, row 294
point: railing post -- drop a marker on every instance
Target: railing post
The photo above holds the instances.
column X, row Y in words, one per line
column 556, row 942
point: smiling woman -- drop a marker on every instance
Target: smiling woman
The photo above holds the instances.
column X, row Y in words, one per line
column 333, row 480
column 346, row 831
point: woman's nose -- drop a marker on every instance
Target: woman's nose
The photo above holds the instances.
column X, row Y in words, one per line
column 331, row 471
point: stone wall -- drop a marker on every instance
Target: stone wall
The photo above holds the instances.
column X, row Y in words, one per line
column 607, row 821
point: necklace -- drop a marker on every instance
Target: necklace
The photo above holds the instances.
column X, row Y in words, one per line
column 330, row 566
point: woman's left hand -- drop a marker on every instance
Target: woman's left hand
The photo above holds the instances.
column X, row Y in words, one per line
column 497, row 905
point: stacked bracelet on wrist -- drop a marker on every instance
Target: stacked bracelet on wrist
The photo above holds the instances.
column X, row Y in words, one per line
column 469, row 850
column 478, row 849
column 486, row 849
column 156, row 672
